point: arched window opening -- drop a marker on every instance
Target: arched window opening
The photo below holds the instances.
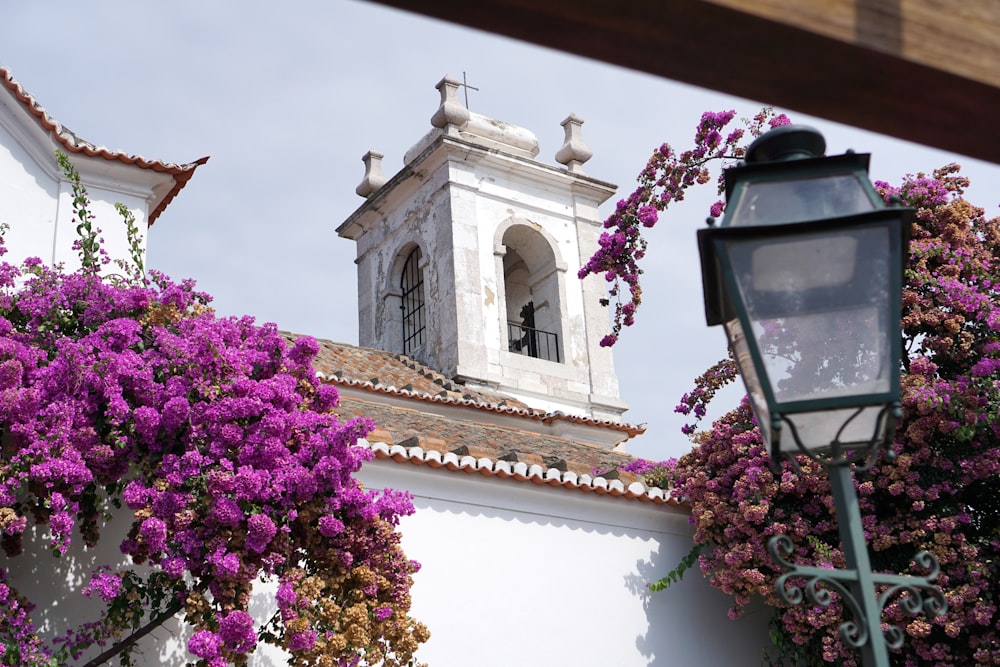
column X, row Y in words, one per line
column 411, row 284
column 531, row 292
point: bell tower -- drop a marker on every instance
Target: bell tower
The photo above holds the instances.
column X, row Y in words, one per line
column 468, row 258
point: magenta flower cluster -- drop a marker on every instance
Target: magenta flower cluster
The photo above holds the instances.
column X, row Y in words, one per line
column 218, row 436
column 663, row 181
column 937, row 495
column 19, row 644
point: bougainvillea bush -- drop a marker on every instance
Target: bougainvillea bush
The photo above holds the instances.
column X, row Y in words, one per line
column 941, row 493
column 121, row 390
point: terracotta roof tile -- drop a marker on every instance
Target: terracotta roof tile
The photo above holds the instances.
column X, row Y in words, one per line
column 384, row 372
column 181, row 173
column 474, row 440
column 404, row 398
column 349, row 364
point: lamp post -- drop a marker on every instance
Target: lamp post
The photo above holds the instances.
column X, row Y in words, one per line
column 805, row 274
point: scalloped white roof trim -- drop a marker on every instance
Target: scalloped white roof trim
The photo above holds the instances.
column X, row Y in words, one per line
column 520, row 471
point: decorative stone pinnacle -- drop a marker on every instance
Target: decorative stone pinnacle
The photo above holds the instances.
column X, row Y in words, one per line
column 374, row 178
column 573, row 152
column 452, row 114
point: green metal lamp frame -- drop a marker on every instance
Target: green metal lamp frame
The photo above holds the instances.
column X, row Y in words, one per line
column 720, row 285
column 792, row 152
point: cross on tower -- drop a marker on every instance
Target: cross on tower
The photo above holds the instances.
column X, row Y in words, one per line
column 465, row 85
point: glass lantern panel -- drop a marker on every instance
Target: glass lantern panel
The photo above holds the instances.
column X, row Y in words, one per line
column 800, row 200
column 817, row 305
column 744, row 361
column 849, row 427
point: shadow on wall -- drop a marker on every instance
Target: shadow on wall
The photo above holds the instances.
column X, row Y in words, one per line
column 53, row 585
column 565, row 572
column 263, row 606
column 691, row 607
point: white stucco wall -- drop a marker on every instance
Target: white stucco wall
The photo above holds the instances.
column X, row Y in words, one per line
column 36, row 200
column 38, row 207
column 513, row 573
column 53, row 585
column 530, row 575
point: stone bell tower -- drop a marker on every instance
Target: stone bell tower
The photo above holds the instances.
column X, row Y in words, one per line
column 468, row 258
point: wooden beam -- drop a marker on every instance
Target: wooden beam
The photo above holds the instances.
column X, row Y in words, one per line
column 923, row 70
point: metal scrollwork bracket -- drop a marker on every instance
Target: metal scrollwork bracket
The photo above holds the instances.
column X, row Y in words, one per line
column 916, row 594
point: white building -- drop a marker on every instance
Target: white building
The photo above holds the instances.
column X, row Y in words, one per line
column 479, row 360
column 36, row 199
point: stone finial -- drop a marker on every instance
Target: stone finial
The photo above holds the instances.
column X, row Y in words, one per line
column 374, row 178
column 573, row 152
column 452, row 114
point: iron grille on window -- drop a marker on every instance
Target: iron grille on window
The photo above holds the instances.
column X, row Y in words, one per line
column 412, row 286
column 532, row 342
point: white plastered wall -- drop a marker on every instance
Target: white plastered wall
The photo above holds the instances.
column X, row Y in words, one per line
column 513, row 573
column 36, row 200
column 529, row 575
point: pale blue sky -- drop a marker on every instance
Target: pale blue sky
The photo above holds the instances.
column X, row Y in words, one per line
column 287, row 97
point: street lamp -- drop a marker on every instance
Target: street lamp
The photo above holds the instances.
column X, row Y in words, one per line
column 805, row 274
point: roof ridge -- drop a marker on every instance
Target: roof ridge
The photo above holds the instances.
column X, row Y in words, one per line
column 500, row 406
column 451, row 392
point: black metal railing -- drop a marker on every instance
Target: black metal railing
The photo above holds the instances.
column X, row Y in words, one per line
column 532, row 342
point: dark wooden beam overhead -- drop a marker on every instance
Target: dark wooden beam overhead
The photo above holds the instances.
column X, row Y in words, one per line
column 923, row 70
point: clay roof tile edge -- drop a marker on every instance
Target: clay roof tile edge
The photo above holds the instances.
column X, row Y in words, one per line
column 521, row 472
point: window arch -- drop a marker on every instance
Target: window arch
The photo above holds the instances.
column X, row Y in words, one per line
column 531, row 295
column 412, row 306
